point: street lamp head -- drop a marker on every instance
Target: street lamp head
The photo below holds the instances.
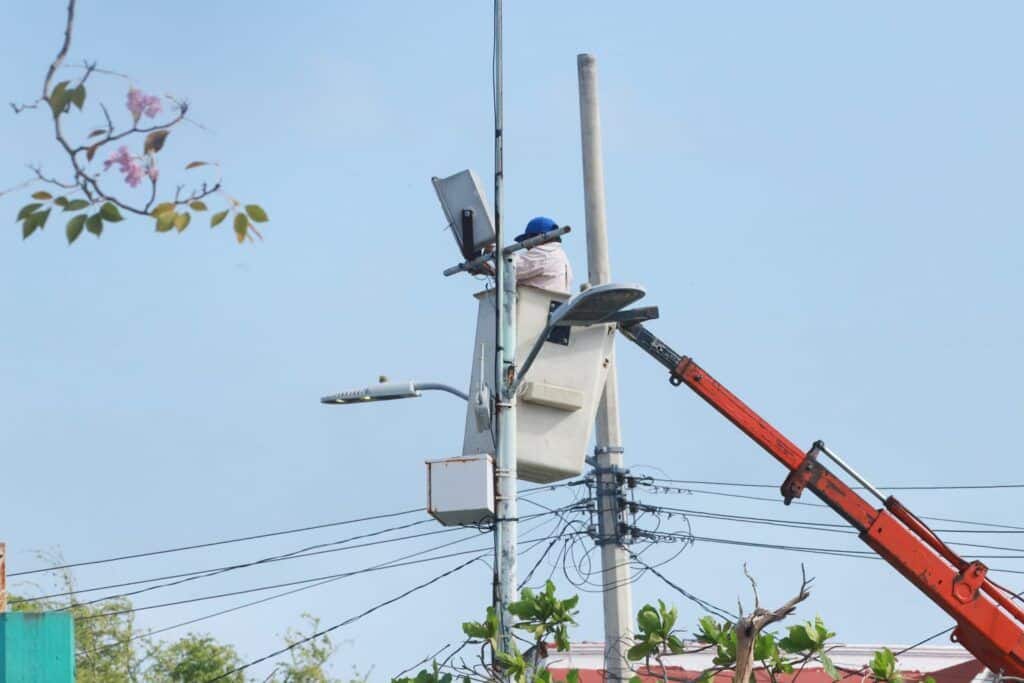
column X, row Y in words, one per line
column 589, row 307
column 596, row 304
column 385, row 391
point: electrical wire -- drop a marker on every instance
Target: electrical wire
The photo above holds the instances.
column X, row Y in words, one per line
column 215, row 543
column 203, row 573
column 687, row 491
column 309, row 551
column 327, row 580
column 818, row 526
column 385, row 565
column 346, row 622
column 708, row 606
column 912, row 487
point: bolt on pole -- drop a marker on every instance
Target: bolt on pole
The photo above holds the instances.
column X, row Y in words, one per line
column 615, row 572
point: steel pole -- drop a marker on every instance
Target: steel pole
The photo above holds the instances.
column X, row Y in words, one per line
column 615, row 572
column 505, row 508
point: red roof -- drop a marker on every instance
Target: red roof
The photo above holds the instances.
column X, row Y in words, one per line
column 959, row 673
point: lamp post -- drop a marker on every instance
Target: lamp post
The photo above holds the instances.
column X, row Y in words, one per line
column 389, row 391
column 593, row 306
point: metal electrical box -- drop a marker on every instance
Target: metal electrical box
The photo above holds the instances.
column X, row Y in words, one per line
column 557, row 401
column 461, row 490
column 465, row 207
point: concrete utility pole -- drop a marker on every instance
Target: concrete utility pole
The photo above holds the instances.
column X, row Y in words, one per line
column 505, row 485
column 615, row 574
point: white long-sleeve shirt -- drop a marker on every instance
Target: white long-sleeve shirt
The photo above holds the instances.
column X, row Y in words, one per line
column 545, row 266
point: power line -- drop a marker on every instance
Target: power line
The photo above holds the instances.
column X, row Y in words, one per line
column 297, row 554
column 903, row 651
column 839, row 552
column 308, row 551
column 216, row 543
column 269, row 587
column 257, row 589
column 348, row 621
column 326, row 580
column 819, row 505
column 710, row 607
column 816, row 526
column 202, row 573
column 912, row 487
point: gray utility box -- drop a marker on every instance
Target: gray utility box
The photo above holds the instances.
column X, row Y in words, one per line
column 461, row 490
column 558, row 398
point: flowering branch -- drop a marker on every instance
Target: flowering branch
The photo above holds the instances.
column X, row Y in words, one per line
column 97, row 205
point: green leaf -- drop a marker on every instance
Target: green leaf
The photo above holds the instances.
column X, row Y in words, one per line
column 77, row 96
column 76, row 205
column 27, row 210
column 635, row 679
column 798, row 640
column 111, row 213
column 182, row 220
column 675, row 646
column 94, row 224
column 883, row 664
column 74, row 228
column 474, row 629
column 160, row 209
column 829, row 666
column 59, row 97
column 42, row 195
column 198, row 205
column 573, row 676
column 165, row 221
column 709, row 630
column 258, row 215
column 196, row 164
column 39, row 217
column 648, row 619
column 640, row 651
column 764, row 647
column 217, row 218
column 61, row 201
column 34, row 222
column 241, row 227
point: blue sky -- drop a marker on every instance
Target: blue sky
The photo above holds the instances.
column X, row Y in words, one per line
column 824, row 201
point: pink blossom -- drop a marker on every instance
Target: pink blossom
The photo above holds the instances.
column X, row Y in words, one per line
column 126, row 164
column 140, row 103
column 153, row 172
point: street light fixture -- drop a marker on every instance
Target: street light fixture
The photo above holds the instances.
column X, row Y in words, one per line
column 590, row 307
column 390, row 391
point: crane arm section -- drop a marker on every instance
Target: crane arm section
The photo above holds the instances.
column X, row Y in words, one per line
column 989, row 623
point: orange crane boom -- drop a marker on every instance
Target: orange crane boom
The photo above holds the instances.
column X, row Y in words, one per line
column 989, row 623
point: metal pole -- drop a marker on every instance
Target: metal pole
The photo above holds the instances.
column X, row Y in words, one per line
column 615, row 572
column 505, row 508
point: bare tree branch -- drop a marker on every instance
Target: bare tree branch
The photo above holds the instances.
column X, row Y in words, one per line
column 63, row 51
column 749, row 626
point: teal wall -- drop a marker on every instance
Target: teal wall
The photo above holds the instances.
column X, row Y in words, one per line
column 37, row 647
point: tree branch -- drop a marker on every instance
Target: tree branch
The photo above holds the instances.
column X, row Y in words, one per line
column 749, row 626
column 63, row 51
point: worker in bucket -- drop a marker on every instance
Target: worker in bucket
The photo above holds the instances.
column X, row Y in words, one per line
column 545, row 266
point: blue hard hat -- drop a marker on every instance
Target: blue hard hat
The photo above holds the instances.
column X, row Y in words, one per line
column 537, row 226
